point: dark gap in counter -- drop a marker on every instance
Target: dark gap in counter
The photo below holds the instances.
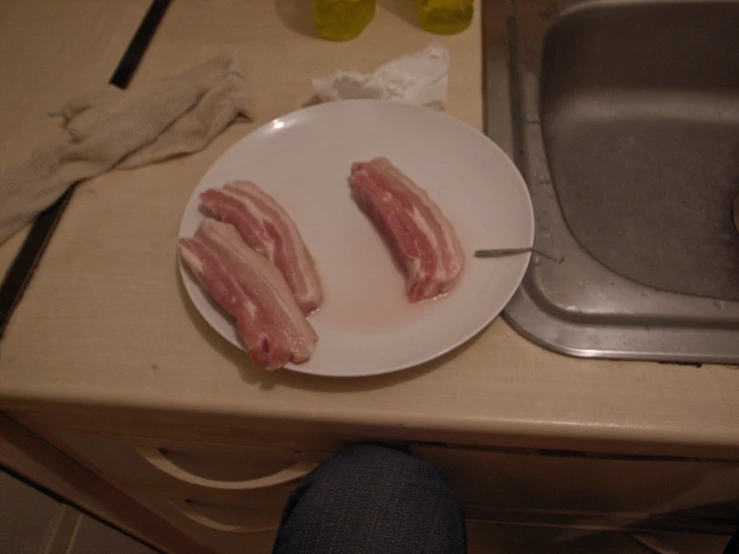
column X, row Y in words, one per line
column 25, row 263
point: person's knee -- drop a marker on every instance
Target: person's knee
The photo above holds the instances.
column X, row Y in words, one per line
column 370, row 494
column 387, row 467
column 375, row 460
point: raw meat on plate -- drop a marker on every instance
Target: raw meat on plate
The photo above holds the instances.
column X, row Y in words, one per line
column 267, row 228
column 420, row 237
column 250, row 289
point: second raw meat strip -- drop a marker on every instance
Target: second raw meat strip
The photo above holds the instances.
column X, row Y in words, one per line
column 267, row 228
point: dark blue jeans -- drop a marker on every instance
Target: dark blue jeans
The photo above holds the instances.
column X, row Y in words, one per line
column 371, row 499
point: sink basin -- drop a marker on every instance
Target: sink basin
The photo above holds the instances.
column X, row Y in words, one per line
column 631, row 153
column 640, row 115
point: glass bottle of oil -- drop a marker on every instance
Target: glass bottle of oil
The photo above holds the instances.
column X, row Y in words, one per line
column 342, row 19
column 445, row 17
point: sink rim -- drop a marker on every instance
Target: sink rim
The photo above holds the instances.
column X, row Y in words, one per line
column 642, row 322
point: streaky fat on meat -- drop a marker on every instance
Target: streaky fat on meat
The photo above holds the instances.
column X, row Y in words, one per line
column 267, row 228
column 250, row 289
column 420, row 237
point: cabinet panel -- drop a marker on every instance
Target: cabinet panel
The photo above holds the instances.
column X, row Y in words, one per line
column 225, row 527
column 223, row 496
column 486, row 538
column 592, row 485
column 173, row 463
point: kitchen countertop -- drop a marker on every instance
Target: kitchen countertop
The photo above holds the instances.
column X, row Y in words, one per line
column 45, row 60
column 106, row 320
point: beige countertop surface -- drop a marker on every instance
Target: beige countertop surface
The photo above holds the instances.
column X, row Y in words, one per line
column 45, row 60
column 106, row 321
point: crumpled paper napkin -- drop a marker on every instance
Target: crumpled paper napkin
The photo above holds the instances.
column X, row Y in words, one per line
column 124, row 129
column 419, row 78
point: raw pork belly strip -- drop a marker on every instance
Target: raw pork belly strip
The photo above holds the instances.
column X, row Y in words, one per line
column 267, row 228
column 420, row 237
column 252, row 291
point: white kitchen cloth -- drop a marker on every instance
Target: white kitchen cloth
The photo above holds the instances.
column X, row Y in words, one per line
column 125, row 129
column 419, row 78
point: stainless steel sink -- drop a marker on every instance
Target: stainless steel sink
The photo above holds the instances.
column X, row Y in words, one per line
column 629, row 139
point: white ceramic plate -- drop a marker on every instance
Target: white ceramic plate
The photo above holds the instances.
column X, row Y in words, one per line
column 366, row 325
